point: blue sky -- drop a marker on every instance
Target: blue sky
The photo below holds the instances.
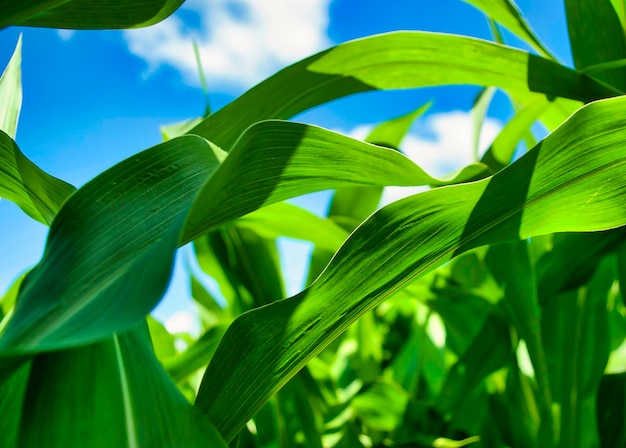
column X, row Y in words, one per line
column 93, row 98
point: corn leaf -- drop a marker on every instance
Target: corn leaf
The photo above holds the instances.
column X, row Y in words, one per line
column 391, row 133
column 596, row 37
column 508, row 15
column 36, row 192
column 276, row 160
column 418, row 59
column 11, row 92
column 86, row 14
column 572, row 181
column 114, row 240
column 113, row 393
column 576, row 338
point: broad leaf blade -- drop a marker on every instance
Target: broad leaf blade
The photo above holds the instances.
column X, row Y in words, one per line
column 574, row 180
column 111, row 248
column 112, row 245
column 364, row 65
column 276, row 160
column 113, row 393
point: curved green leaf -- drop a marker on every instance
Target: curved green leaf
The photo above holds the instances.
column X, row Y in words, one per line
column 575, row 180
column 113, row 393
column 276, row 160
column 111, row 248
column 86, row 14
column 36, row 192
column 109, row 251
column 397, row 60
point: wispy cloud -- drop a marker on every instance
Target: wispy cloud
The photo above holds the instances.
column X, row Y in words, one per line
column 240, row 41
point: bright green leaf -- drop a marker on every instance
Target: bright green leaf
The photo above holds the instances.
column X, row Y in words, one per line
column 11, row 92
column 397, row 61
column 574, row 180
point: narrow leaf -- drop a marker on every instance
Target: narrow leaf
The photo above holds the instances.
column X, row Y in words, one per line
column 11, row 92
column 596, row 37
column 508, row 15
column 36, row 192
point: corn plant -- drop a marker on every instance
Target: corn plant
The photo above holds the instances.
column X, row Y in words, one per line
column 485, row 311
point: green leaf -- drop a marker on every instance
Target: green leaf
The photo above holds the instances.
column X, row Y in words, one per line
column 596, row 37
column 397, row 61
column 611, row 414
column 490, row 350
column 511, row 266
column 502, row 149
column 277, row 160
column 464, row 315
column 110, row 249
column 196, row 356
column 170, row 131
column 113, row 393
column 162, row 340
column 574, row 180
column 11, row 92
column 296, row 405
column 576, row 339
column 86, row 14
column 507, row 14
column 288, row 220
column 113, row 242
column 36, row 192
column 380, row 405
column 12, row 393
column 573, row 261
column 479, row 113
column 391, row 133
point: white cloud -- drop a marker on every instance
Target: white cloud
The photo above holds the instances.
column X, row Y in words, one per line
column 441, row 145
column 183, row 322
column 240, row 41
column 66, row 34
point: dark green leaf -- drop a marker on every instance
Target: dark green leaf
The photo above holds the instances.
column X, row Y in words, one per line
column 113, row 393
column 86, row 14
column 596, row 37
